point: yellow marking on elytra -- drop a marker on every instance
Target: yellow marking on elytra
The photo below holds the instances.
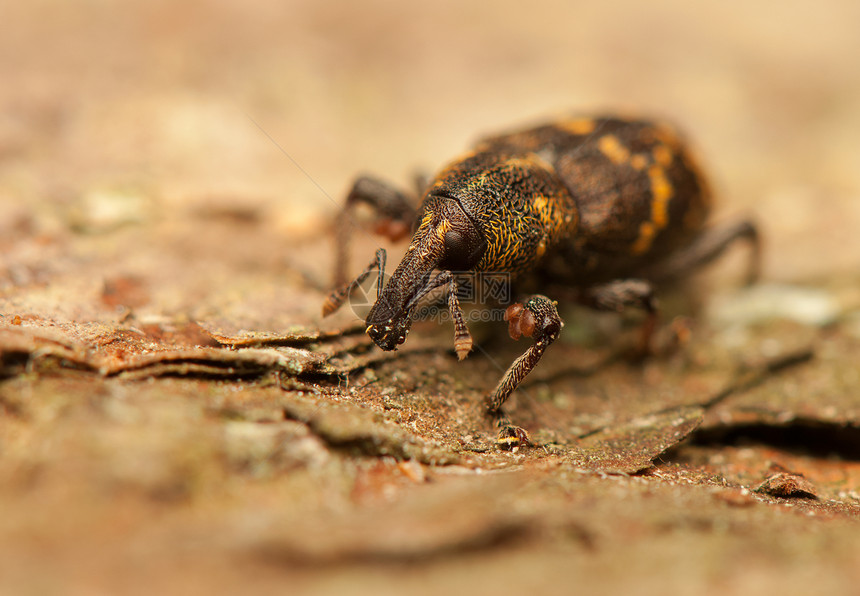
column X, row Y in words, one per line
column 539, row 203
column 639, row 161
column 647, row 231
column 612, row 148
column 661, row 191
column 578, row 126
column 663, row 155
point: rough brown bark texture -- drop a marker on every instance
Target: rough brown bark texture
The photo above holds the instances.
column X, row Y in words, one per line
column 175, row 417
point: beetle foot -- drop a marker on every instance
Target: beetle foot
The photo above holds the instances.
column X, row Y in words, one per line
column 618, row 296
column 537, row 318
column 645, row 346
column 672, row 339
column 654, row 343
column 511, row 438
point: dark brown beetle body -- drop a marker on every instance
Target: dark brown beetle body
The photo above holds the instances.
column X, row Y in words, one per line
column 585, row 201
column 605, row 207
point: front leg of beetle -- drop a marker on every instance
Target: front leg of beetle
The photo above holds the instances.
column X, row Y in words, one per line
column 538, row 318
column 336, row 299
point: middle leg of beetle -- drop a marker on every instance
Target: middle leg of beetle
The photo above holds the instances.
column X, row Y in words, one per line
column 621, row 294
column 538, row 318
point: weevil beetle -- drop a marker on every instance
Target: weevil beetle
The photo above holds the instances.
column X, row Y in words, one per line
column 604, row 208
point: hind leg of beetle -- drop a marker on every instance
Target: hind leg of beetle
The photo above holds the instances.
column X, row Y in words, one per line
column 538, row 318
column 395, row 213
column 710, row 245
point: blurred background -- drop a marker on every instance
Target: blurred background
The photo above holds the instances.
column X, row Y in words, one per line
column 145, row 109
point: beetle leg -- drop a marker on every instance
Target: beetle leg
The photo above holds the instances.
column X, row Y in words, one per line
column 708, row 246
column 537, row 318
column 395, row 211
column 336, row 299
column 462, row 338
column 421, row 181
column 621, row 294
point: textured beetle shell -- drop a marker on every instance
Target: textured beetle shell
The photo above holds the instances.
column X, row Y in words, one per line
column 516, row 200
column 582, row 200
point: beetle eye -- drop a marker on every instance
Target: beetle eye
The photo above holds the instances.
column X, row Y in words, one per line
column 461, row 251
column 455, row 245
column 462, row 245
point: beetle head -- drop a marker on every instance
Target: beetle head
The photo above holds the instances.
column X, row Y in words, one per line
column 446, row 239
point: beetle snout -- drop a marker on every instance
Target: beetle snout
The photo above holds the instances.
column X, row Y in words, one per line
column 388, row 321
column 390, row 317
column 386, row 337
column 388, row 333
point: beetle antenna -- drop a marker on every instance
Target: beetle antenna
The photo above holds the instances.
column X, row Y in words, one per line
column 462, row 338
column 440, row 280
